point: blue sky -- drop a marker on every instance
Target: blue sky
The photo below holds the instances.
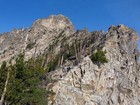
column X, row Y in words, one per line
column 94, row 14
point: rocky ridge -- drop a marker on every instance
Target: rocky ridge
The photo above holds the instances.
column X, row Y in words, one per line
column 84, row 82
column 114, row 83
column 35, row 40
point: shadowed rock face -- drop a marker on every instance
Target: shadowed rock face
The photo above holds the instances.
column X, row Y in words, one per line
column 114, row 83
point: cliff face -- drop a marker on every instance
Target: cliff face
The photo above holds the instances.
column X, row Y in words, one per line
column 35, row 40
column 83, row 83
column 114, row 83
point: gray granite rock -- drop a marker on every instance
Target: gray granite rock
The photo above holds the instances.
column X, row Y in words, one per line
column 114, row 83
column 84, row 83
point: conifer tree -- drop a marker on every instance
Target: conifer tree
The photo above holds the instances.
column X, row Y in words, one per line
column 24, row 84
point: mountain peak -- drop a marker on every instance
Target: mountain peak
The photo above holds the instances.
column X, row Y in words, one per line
column 54, row 22
column 86, row 68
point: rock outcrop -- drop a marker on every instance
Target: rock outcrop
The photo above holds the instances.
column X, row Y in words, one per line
column 82, row 82
column 35, row 40
column 114, row 83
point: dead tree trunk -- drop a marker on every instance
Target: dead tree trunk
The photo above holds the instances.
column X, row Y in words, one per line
column 5, row 89
column 76, row 54
column 62, row 59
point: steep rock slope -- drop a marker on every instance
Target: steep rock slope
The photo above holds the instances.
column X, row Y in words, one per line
column 114, row 83
column 36, row 39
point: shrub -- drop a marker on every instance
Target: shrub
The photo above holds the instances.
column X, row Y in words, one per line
column 53, row 63
column 3, row 74
column 30, row 45
column 99, row 57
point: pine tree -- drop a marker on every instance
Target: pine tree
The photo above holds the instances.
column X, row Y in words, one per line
column 23, row 87
column 4, row 78
column 99, row 57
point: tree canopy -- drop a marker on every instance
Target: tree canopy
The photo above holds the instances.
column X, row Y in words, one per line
column 24, row 85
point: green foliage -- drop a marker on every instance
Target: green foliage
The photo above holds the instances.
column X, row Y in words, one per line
column 53, row 63
column 3, row 74
column 66, row 51
column 99, row 57
column 23, row 86
column 3, row 66
column 30, row 45
column 69, row 51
